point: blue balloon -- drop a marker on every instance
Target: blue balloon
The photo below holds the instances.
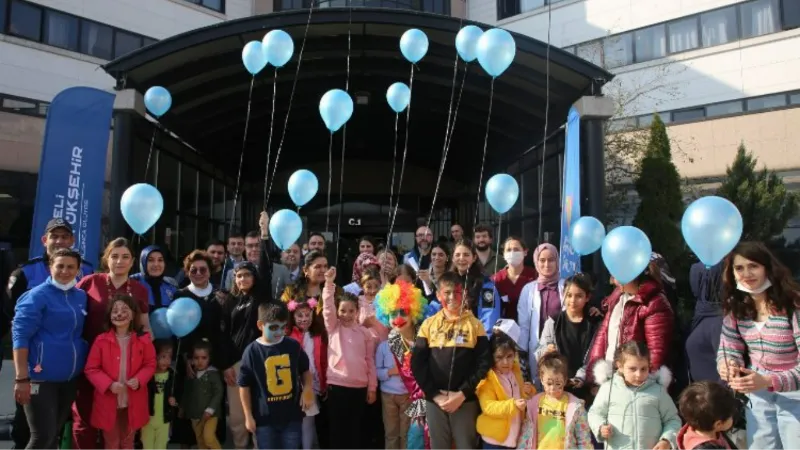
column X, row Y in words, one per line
column 502, row 192
column 303, row 186
column 335, row 107
column 398, row 96
column 253, row 57
column 467, row 42
column 586, row 235
column 159, row 324
column 278, row 47
column 626, row 253
column 285, row 227
column 141, row 206
column 183, row 316
column 712, row 226
column 496, row 50
column 157, row 100
column 414, row 45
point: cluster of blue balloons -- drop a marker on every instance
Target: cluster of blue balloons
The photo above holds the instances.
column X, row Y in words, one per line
column 141, row 207
column 502, row 192
column 276, row 48
column 157, row 100
column 336, row 108
column 180, row 318
column 711, row 226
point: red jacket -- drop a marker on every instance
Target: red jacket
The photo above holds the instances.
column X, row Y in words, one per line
column 102, row 369
column 647, row 317
column 320, row 356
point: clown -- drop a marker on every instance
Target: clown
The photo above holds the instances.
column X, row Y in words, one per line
column 402, row 307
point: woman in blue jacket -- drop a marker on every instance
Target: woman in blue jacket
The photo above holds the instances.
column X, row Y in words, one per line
column 152, row 267
column 49, row 351
column 483, row 297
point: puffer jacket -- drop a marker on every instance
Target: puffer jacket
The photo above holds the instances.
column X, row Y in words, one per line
column 647, row 317
column 577, row 434
column 639, row 416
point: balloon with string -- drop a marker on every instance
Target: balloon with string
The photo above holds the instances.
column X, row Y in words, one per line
column 158, row 101
column 285, row 227
column 586, row 235
column 502, row 192
column 141, row 206
column 398, row 96
column 335, row 108
column 303, row 186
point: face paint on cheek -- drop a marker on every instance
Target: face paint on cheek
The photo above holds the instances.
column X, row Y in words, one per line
column 273, row 332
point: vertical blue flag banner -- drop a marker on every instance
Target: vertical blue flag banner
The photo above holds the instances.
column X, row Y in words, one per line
column 73, row 168
column 570, row 262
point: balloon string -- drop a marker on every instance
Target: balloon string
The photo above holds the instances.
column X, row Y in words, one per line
column 291, row 100
column 178, row 362
column 241, row 160
column 485, row 145
column 405, row 149
column 497, row 251
column 269, row 141
column 546, row 117
column 150, row 153
column 330, row 177
column 344, row 141
column 391, row 188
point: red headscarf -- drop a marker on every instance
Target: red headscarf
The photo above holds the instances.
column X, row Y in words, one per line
column 365, row 259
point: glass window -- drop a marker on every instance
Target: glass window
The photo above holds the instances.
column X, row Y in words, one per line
column 618, row 50
column 770, row 101
column 683, row 35
column 26, row 21
column 623, row 124
column 219, row 202
column 759, row 17
column 187, row 235
column 216, row 5
column 21, row 106
column 721, row 109
column 168, row 178
column 592, row 52
column 719, row 27
column 126, row 43
column 688, row 114
column 650, row 43
column 61, row 30
column 205, row 196
column 148, row 41
column 794, row 99
column 528, row 5
column 2, row 16
column 96, row 39
column 645, row 121
column 43, row 108
column 188, row 202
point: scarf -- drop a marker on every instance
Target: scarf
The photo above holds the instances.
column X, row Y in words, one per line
column 365, row 259
column 542, row 278
column 200, row 292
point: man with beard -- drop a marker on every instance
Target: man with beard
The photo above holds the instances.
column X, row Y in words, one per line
column 235, row 248
column 483, row 240
column 291, row 259
column 254, row 245
column 456, row 233
column 421, row 253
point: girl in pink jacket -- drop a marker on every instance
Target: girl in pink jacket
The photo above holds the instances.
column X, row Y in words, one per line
column 352, row 381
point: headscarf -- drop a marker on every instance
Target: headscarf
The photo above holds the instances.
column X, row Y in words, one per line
column 542, row 278
column 663, row 269
column 365, row 259
column 154, row 282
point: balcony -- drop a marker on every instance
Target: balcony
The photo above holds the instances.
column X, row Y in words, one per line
column 429, row 6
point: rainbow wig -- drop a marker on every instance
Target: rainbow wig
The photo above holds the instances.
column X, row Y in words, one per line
column 400, row 296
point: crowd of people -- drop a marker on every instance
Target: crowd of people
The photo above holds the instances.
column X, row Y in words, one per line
column 450, row 345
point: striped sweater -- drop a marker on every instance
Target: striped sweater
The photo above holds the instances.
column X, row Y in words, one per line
column 773, row 349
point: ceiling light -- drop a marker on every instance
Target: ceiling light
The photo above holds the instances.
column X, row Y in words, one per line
column 362, row 98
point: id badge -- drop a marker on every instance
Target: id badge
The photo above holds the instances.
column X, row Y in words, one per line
column 34, row 389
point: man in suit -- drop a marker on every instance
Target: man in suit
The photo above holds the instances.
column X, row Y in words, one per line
column 291, row 259
column 281, row 276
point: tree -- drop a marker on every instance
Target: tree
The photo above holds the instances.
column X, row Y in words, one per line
column 761, row 197
column 661, row 200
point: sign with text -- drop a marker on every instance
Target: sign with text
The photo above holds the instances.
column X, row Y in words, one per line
column 570, row 262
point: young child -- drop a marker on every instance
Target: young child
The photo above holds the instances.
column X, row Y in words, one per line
column 502, row 393
column 451, row 356
column 202, row 397
column 708, row 409
column 642, row 415
column 120, row 364
column 352, row 381
column 307, row 328
column 370, row 285
column 555, row 418
column 405, row 273
column 275, row 383
column 160, row 392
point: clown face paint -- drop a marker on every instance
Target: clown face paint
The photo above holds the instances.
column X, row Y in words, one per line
column 121, row 315
column 400, row 319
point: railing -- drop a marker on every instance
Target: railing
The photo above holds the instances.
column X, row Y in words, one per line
column 431, row 6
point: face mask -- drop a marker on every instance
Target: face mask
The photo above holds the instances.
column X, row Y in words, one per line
column 274, row 331
column 65, row 287
column 767, row 284
column 514, row 258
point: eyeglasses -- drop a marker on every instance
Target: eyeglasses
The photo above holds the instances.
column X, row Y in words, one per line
column 198, row 270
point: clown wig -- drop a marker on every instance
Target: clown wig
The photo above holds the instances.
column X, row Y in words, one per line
column 400, row 296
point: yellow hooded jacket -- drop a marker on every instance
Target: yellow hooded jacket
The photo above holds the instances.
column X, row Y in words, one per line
column 497, row 408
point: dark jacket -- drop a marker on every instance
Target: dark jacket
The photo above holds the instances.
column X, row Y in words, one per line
column 703, row 340
column 152, row 390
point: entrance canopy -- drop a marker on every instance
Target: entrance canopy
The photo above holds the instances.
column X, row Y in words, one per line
column 209, row 85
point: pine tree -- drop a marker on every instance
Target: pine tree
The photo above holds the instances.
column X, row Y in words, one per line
column 661, row 202
column 761, row 197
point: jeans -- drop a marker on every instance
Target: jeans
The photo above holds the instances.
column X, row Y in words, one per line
column 772, row 420
column 47, row 412
column 286, row 436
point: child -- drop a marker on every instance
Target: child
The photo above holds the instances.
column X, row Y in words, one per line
column 155, row 434
column 351, row 366
column 502, row 393
column 642, row 414
column 370, row 285
column 708, row 409
column 555, row 418
column 275, row 383
column 202, row 397
column 405, row 273
column 120, row 364
column 571, row 332
column 307, row 328
column 451, row 356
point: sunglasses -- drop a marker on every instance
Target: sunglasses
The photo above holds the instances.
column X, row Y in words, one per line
column 198, row 270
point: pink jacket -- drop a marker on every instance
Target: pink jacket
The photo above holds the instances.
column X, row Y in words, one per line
column 366, row 310
column 578, row 435
column 351, row 350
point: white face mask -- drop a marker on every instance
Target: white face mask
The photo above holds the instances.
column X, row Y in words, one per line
column 65, row 287
column 514, row 258
column 767, row 284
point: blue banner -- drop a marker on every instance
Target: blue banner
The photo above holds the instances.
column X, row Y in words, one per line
column 73, row 168
column 571, row 204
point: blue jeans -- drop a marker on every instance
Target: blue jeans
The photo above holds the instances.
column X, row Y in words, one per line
column 286, row 436
column 772, row 420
